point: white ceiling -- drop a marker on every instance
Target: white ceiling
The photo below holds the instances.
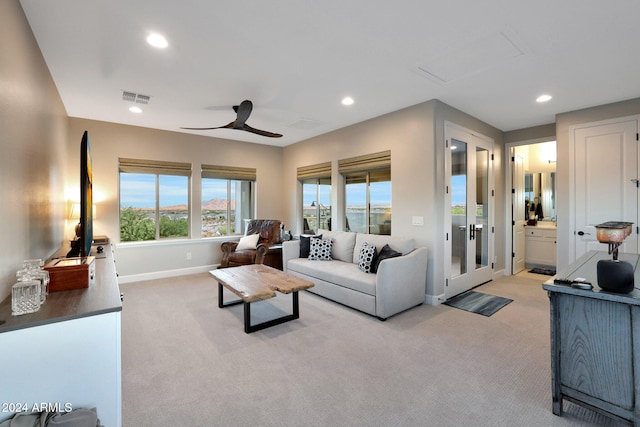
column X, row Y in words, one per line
column 296, row 59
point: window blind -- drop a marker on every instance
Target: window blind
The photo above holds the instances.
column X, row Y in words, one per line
column 381, row 160
column 228, row 172
column 155, row 167
column 321, row 170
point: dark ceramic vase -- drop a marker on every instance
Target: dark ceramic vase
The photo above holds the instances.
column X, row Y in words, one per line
column 615, row 276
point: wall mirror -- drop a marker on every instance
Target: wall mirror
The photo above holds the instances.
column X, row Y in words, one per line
column 540, row 192
column 540, row 180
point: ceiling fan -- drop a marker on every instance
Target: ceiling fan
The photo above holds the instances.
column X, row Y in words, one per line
column 243, row 111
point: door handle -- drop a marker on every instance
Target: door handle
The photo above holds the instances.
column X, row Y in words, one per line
column 582, row 233
column 472, row 231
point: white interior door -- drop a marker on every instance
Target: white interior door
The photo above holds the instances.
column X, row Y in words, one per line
column 606, row 176
column 518, row 208
column 469, row 215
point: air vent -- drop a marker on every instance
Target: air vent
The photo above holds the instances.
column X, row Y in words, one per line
column 135, row 97
column 129, row 96
column 143, row 99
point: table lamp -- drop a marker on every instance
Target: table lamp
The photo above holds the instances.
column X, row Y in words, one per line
column 614, row 275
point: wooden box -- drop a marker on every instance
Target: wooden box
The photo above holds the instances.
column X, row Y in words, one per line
column 71, row 273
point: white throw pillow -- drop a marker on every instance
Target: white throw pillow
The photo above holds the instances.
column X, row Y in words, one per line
column 248, row 242
column 343, row 244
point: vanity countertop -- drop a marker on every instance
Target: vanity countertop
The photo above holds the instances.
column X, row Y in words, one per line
column 544, row 224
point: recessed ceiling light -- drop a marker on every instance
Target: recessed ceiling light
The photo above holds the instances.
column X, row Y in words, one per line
column 135, row 109
column 157, row 40
column 347, row 100
column 543, row 98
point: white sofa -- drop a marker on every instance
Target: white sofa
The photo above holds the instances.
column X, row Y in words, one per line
column 398, row 284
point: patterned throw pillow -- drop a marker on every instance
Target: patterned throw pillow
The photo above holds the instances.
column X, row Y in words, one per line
column 320, row 250
column 367, row 258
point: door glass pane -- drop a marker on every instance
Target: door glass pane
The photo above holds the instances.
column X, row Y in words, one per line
column 316, row 204
column 174, row 206
column 380, row 202
column 356, row 202
column 214, row 207
column 458, row 208
column 482, row 208
column 137, row 207
column 309, row 208
column 240, row 206
column 324, row 194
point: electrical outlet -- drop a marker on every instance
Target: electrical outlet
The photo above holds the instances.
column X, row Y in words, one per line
column 188, row 255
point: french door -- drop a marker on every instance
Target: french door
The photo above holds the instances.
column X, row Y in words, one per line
column 469, row 215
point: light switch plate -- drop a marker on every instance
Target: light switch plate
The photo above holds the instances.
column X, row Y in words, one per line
column 417, row 220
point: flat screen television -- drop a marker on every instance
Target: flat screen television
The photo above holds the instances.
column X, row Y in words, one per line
column 81, row 246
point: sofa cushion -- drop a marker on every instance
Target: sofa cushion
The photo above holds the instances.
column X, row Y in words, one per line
column 368, row 256
column 305, row 244
column 385, row 253
column 400, row 244
column 343, row 244
column 320, row 250
column 345, row 274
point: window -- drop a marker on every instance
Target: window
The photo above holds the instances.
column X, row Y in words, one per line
column 154, row 200
column 316, row 197
column 227, row 200
column 368, row 193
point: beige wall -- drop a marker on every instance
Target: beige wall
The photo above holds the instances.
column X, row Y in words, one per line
column 530, row 134
column 415, row 136
column 33, row 130
column 111, row 141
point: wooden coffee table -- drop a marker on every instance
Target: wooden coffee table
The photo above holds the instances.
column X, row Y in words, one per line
column 257, row 282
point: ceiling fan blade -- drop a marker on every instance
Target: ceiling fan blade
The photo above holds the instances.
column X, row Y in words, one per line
column 243, row 110
column 261, row 132
column 227, row 126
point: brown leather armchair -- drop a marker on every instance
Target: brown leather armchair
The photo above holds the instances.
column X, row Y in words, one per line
column 268, row 251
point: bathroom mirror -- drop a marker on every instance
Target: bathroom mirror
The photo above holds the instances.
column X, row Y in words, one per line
column 540, row 192
column 539, row 161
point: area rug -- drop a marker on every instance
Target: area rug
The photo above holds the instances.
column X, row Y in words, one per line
column 546, row 271
column 477, row 302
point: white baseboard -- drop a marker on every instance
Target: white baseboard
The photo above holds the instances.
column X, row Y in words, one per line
column 167, row 273
column 434, row 299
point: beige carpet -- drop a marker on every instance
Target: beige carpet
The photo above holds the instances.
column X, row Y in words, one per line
column 185, row 362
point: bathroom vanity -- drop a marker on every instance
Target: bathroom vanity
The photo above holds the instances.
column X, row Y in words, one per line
column 540, row 245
